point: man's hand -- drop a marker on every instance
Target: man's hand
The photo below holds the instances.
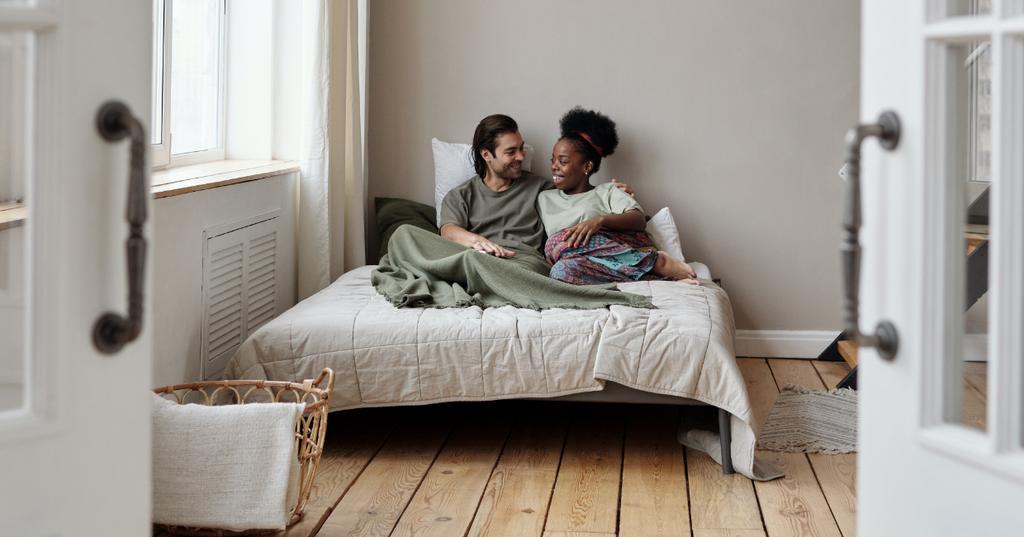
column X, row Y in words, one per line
column 625, row 188
column 472, row 240
column 581, row 233
column 484, row 245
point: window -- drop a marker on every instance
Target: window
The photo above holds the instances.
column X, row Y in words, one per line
column 188, row 81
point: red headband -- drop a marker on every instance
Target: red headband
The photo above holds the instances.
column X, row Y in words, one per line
column 591, row 142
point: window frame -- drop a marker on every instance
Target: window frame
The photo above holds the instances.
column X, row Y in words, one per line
column 161, row 155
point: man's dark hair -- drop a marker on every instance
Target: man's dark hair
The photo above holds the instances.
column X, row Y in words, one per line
column 486, row 137
column 597, row 127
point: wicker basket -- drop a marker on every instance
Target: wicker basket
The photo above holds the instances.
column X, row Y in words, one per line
column 310, row 428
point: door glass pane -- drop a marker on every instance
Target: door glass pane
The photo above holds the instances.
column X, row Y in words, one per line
column 196, row 52
column 962, row 8
column 969, row 158
column 15, row 91
column 158, row 72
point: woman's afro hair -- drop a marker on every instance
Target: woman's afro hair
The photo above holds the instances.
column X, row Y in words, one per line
column 597, row 126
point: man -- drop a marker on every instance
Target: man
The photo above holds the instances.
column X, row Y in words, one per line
column 496, row 212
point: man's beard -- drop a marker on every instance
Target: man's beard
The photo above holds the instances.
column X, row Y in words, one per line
column 507, row 173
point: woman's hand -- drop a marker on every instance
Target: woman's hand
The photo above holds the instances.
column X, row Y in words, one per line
column 624, row 187
column 581, row 233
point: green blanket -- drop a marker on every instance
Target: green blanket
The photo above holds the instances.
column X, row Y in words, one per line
column 422, row 269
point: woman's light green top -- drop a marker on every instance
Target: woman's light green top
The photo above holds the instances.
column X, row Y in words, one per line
column 559, row 210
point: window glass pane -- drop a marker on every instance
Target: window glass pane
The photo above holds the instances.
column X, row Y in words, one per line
column 158, row 72
column 16, row 59
column 196, row 47
column 962, row 8
column 968, row 154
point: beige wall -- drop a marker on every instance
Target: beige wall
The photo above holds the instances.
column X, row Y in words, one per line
column 732, row 113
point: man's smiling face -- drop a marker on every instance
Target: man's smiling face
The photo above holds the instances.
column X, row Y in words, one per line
column 507, row 160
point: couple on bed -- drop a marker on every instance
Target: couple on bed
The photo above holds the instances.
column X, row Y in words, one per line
column 595, row 235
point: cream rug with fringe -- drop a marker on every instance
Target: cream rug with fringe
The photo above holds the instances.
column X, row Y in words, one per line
column 809, row 421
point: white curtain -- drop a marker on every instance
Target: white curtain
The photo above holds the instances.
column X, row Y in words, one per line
column 330, row 231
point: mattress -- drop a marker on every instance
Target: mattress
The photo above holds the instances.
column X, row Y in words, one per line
column 386, row 356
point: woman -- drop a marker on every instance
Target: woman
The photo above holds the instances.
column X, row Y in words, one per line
column 596, row 234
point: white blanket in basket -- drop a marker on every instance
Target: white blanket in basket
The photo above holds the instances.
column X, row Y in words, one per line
column 385, row 356
column 231, row 466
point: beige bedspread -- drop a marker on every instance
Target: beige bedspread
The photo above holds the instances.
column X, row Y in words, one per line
column 385, row 356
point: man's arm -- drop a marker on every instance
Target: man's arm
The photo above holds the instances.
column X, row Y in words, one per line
column 469, row 239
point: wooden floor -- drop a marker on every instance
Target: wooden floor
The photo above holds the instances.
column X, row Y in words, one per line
column 543, row 469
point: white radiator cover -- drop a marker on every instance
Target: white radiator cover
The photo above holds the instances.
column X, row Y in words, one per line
column 240, row 283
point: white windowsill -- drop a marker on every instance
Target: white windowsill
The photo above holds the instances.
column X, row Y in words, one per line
column 12, row 215
column 185, row 179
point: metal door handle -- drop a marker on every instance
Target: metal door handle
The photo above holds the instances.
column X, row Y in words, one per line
column 111, row 331
column 885, row 338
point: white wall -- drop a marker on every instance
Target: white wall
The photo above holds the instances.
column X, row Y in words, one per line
column 732, row 113
column 177, row 257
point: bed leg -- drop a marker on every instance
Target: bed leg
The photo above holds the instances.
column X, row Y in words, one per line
column 725, row 435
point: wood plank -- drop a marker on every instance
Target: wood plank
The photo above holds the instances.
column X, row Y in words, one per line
column 728, row 533
column 794, row 505
column 374, row 503
column 654, row 499
column 576, row 534
column 831, row 373
column 517, row 496
column 837, row 475
column 720, row 501
column 586, row 492
column 799, row 372
column 976, row 373
column 448, row 498
column 353, row 438
column 760, row 388
column 848, row 350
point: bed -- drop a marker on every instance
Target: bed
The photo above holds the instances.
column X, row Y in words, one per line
column 679, row 353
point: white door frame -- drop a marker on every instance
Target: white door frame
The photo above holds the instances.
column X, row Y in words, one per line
column 76, row 459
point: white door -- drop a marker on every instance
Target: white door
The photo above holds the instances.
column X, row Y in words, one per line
column 928, row 464
column 74, row 422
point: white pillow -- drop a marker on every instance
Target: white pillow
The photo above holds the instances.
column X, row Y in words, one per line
column 663, row 233
column 453, row 165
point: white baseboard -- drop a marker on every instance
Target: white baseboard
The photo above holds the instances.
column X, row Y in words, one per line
column 975, row 347
column 783, row 343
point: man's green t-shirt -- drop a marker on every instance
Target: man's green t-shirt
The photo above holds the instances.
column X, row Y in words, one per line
column 508, row 218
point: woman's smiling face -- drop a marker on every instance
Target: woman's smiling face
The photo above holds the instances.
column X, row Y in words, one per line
column 568, row 169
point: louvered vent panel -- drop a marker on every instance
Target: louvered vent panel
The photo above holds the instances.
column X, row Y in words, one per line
column 262, row 278
column 225, row 302
column 239, row 288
